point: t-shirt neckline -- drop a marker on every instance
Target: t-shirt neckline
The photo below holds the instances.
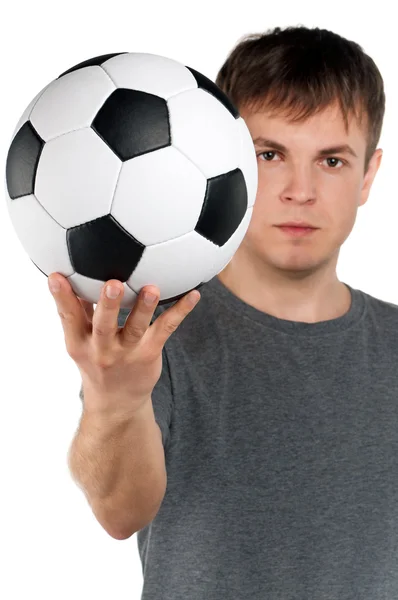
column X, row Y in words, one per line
column 228, row 298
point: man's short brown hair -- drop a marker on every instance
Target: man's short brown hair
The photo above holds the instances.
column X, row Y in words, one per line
column 298, row 71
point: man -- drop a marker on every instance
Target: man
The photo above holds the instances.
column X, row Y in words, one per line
column 278, row 397
column 279, row 407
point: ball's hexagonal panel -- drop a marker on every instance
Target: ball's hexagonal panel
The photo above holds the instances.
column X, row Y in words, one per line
column 90, row 289
column 225, row 254
column 150, row 73
column 224, row 207
column 248, row 161
column 71, row 102
column 102, row 249
column 22, row 160
column 189, row 256
column 204, row 131
column 206, row 84
column 76, row 178
column 26, row 113
column 159, row 196
column 41, row 237
column 91, row 62
column 133, row 123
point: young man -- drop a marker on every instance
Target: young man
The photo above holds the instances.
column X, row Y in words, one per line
column 278, row 400
column 278, row 397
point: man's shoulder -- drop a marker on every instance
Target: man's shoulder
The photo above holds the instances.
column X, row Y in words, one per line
column 382, row 315
column 378, row 304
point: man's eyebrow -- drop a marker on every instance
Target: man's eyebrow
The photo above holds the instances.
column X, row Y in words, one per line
column 341, row 149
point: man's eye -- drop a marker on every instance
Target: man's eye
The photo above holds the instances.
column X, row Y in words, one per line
column 334, row 161
column 268, row 155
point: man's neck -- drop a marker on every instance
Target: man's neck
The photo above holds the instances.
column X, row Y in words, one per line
column 304, row 301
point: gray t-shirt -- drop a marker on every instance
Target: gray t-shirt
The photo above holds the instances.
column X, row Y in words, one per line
column 281, row 445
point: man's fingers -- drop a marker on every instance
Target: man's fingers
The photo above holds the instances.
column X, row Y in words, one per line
column 71, row 312
column 104, row 321
column 79, row 318
column 141, row 315
column 170, row 320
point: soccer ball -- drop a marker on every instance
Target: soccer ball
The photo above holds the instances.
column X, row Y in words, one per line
column 134, row 167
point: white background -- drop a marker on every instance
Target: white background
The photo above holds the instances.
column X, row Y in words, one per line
column 51, row 545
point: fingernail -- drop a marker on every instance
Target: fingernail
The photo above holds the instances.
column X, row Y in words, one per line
column 54, row 285
column 149, row 298
column 112, row 291
column 193, row 297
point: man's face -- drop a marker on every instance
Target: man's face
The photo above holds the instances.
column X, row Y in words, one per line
column 299, row 184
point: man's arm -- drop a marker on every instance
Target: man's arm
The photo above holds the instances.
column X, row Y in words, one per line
column 119, row 463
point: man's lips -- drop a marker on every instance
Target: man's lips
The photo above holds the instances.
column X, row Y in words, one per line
column 296, row 224
column 297, row 231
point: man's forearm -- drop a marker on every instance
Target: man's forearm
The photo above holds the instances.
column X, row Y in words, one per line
column 119, row 464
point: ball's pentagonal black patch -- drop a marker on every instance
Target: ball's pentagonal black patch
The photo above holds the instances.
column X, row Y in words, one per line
column 204, row 83
column 91, row 62
column 175, row 298
column 133, row 123
column 22, row 160
column 102, row 249
column 224, row 207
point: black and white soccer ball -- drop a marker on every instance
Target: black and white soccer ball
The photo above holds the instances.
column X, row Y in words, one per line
column 134, row 167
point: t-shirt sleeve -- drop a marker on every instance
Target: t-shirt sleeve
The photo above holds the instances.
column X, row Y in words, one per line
column 162, row 395
column 162, row 401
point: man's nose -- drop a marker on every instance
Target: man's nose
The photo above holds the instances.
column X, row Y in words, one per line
column 299, row 185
